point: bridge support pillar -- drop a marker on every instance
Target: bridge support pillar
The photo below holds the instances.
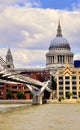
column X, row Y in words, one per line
column 37, row 99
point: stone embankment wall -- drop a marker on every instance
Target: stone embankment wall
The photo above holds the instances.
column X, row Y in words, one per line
column 78, row 100
column 15, row 101
column 64, row 101
column 47, row 101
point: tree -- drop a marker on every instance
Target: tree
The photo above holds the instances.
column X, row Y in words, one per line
column 69, row 94
column 9, row 94
column 61, row 98
column 21, row 95
column 31, row 95
column 79, row 94
column 53, row 83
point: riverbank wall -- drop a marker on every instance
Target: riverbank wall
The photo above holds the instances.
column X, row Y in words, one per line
column 66, row 101
column 47, row 101
column 15, row 101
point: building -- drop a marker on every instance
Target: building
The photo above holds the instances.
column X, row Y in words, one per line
column 59, row 52
column 14, row 88
column 77, row 63
column 68, row 82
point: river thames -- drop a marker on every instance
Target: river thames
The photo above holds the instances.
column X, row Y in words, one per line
column 41, row 117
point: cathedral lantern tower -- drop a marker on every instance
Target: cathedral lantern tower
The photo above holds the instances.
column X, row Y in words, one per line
column 59, row 53
column 9, row 60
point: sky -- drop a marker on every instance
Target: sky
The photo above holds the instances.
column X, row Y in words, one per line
column 28, row 26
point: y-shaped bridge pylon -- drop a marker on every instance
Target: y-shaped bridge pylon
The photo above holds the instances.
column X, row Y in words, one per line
column 37, row 93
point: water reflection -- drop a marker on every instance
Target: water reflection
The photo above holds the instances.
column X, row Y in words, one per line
column 42, row 117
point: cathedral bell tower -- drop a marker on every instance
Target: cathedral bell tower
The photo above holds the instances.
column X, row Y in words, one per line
column 9, row 60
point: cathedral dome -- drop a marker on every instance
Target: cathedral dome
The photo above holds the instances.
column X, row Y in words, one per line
column 59, row 41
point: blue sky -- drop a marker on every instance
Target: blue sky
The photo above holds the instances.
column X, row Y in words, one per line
column 54, row 4
column 58, row 4
column 32, row 24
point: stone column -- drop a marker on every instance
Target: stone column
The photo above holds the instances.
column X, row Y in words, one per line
column 51, row 60
column 55, row 59
column 77, row 86
column 64, row 87
column 68, row 59
column 58, row 58
column 71, row 59
column 70, row 86
column 48, row 59
column 62, row 59
column 57, row 87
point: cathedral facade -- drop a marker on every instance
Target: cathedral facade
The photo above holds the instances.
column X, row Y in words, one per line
column 59, row 52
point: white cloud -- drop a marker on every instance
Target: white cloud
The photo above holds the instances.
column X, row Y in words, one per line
column 77, row 56
column 30, row 30
column 34, row 28
column 28, row 58
column 76, row 6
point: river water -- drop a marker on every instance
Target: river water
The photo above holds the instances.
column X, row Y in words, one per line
column 42, row 117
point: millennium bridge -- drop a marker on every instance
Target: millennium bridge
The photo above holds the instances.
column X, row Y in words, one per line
column 36, row 87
